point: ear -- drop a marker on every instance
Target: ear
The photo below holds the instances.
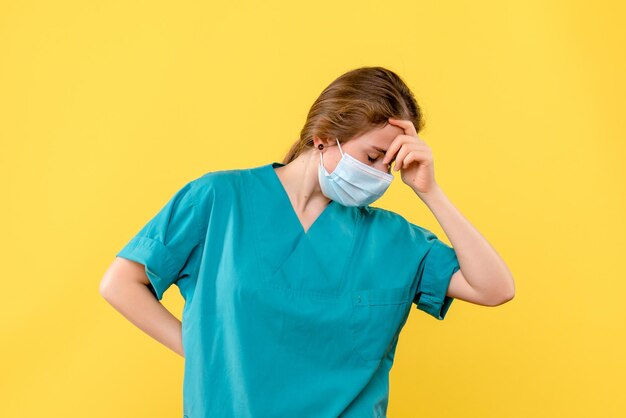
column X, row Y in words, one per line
column 326, row 142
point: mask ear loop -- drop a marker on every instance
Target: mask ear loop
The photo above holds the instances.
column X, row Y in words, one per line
column 339, row 146
column 322, row 160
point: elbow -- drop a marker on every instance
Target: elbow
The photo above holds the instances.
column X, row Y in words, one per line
column 502, row 295
column 103, row 287
column 505, row 295
column 106, row 287
column 501, row 300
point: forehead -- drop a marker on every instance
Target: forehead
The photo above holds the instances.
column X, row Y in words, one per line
column 379, row 137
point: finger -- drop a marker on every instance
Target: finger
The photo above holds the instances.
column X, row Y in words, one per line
column 397, row 163
column 407, row 125
column 395, row 145
column 408, row 147
column 400, row 158
column 419, row 156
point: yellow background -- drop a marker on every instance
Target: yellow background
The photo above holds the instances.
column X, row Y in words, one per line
column 107, row 108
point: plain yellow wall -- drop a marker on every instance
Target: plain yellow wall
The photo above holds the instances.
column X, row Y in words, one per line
column 107, row 108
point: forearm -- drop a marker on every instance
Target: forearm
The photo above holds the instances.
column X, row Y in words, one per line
column 480, row 263
column 137, row 304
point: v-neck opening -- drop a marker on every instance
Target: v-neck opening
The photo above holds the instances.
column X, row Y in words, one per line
column 284, row 248
column 290, row 208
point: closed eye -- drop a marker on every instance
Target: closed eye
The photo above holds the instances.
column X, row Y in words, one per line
column 372, row 160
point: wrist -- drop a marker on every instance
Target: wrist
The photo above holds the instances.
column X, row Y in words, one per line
column 434, row 195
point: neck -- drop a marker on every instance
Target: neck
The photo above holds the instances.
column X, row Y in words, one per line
column 300, row 180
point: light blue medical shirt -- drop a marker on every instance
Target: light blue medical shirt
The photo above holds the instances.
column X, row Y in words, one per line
column 282, row 323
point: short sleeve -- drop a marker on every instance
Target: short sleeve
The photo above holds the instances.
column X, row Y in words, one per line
column 434, row 273
column 164, row 245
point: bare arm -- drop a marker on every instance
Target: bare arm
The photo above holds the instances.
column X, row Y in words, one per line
column 484, row 277
column 124, row 286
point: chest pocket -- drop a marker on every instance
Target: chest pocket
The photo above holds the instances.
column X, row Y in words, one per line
column 377, row 316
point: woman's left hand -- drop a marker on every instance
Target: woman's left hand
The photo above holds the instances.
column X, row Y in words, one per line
column 414, row 158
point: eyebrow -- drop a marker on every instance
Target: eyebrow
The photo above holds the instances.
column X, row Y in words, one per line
column 384, row 151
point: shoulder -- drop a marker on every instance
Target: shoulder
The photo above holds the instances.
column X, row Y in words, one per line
column 214, row 183
column 217, row 178
column 382, row 216
column 383, row 220
column 396, row 224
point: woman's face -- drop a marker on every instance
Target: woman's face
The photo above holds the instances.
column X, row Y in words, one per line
column 368, row 148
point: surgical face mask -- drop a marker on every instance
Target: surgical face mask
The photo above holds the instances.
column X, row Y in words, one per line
column 352, row 183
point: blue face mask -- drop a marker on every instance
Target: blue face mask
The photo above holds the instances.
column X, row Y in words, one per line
column 352, row 183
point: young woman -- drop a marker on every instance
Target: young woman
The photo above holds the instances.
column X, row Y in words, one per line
column 295, row 288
